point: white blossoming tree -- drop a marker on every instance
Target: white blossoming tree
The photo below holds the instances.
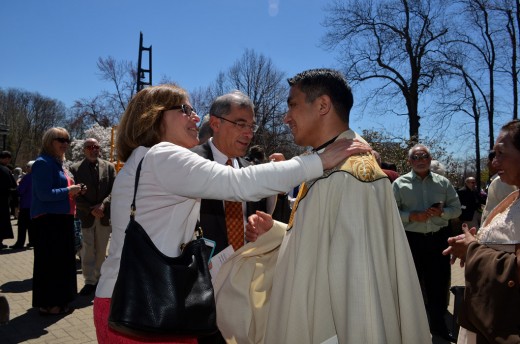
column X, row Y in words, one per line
column 102, row 134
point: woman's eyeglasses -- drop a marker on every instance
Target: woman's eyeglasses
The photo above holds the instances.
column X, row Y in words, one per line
column 420, row 156
column 92, row 147
column 241, row 124
column 62, row 140
column 188, row 110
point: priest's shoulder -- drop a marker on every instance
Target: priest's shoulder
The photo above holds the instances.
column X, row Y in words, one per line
column 363, row 167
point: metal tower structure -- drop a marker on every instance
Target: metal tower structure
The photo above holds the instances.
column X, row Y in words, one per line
column 144, row 75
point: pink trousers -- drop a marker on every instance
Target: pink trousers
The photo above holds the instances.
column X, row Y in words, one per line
column 105, row 335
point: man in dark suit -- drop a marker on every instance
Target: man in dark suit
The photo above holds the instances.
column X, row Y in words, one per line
column 232, row 121
column 471, row 202
column 93, row 209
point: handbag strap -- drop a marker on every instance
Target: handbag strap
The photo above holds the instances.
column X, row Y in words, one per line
column 198, row 230
column 137, row 174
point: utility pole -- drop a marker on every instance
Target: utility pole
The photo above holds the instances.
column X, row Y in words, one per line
column 144, row 75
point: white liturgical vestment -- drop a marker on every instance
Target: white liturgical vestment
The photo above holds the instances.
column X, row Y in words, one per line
column 343, row 272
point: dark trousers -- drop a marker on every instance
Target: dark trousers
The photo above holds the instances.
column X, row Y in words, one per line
column 54, row 274
column 434, row 272
column 24, row 227
column 6, row 231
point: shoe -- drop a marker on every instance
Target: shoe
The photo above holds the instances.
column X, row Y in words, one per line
column 4, row 310
column 56, row 310
column 446, row 335
column 88, row 289
column 16, row 247
column 29, row 245
column 2, row 246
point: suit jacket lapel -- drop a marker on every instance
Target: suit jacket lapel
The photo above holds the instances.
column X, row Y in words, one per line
column 207, row 150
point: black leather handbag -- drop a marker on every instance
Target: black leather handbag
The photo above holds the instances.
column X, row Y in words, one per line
column 156, row 295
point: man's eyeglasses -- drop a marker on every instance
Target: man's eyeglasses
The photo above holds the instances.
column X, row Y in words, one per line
column 188, row 110
column 420, row 156
column 62, row 140
column 92, row 147
column 241, row 124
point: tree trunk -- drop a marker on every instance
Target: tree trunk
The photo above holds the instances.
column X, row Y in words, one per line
column 477, row 150
column 413, row 117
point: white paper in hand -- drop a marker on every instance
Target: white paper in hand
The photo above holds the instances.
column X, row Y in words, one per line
column 219, row 259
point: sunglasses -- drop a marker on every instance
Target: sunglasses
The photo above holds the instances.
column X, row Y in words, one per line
column 92, row 147
column 420, row 156
column 188, row 110
column 62, row 140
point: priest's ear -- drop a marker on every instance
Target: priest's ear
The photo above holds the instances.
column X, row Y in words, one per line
column 324, row 104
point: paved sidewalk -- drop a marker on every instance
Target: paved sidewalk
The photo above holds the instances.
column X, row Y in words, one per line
column 27, row 326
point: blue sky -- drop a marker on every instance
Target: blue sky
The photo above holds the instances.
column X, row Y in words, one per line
column 52, row 46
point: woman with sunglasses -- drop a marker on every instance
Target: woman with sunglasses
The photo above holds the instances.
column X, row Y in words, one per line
column 160, row 125
column 52, row 211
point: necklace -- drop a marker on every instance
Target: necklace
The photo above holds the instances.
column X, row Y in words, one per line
column 317, row 149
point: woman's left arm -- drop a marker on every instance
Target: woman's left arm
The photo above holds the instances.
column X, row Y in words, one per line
column 491, row 298
column 43, row 174
column 489, row 267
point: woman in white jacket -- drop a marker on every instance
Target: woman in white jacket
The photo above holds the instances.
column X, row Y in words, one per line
column 160, row 125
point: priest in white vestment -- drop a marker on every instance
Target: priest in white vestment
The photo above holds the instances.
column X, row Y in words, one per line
column 341, row 271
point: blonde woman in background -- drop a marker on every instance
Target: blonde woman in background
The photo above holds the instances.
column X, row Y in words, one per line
column 52, row 211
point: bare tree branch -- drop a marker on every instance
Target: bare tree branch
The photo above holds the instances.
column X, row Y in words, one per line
column 394, row 41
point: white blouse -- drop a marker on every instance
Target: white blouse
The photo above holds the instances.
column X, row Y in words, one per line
column 173, row 180
column 502, row 232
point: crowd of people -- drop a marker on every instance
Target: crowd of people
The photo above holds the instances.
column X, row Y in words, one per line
column 330, row 247
column 52, row 198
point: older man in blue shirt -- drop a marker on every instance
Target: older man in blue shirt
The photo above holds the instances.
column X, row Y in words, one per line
column 426, row 202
